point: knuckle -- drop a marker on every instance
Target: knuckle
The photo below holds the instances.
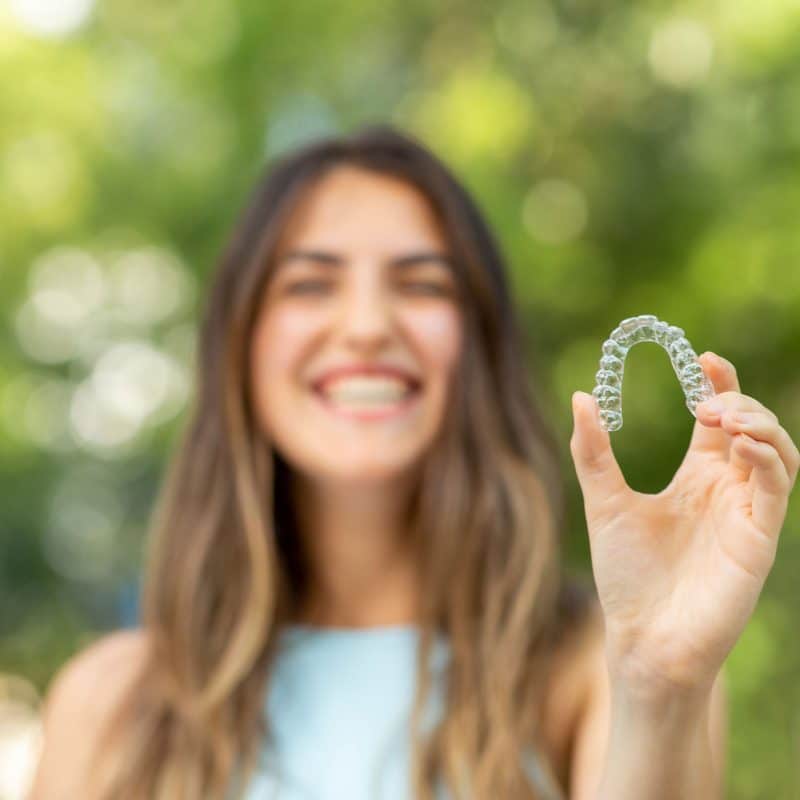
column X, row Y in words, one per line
column 759, row 406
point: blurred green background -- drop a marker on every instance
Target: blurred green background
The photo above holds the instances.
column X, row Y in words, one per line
column 632, row 158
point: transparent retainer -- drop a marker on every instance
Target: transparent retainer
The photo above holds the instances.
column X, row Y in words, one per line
column 646, row 328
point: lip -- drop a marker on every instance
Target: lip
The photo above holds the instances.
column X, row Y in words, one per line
column 387, row 370
column 396, row 410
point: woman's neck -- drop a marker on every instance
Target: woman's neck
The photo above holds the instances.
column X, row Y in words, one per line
column 361, row 563
column 391, row 601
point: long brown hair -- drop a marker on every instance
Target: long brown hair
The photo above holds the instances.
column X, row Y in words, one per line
column 224, row 571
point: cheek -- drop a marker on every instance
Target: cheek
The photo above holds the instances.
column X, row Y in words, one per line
column 279, row 340
column 437, row 333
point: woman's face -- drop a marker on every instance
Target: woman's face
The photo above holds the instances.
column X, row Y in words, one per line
column 345, row 292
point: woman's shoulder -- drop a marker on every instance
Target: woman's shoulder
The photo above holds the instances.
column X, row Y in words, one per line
column 100, row 670
column 108, row 648
column 81, row 696
column 577, row 663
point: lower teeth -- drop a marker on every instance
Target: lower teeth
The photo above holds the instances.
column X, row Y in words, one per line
column 365, row 405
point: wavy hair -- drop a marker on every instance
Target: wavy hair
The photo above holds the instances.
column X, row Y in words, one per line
column 224, row 571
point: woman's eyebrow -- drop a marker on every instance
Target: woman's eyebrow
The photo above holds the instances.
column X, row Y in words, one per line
column 332, row 260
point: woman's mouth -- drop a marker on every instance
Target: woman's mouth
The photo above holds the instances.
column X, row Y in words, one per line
column 368, row 399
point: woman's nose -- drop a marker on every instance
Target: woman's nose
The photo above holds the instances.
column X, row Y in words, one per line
column 366, row 313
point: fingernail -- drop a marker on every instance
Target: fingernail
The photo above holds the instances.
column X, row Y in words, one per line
column 723, row 362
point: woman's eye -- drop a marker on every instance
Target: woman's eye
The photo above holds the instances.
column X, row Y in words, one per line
column 304, row 286
column 427, row 287
column 417, row 287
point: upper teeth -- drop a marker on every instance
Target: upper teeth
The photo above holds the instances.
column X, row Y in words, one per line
column 366, row 388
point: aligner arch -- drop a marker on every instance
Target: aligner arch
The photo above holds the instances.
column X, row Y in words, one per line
column 646, row 328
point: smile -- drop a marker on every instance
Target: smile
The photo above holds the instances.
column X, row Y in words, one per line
column 369, row 412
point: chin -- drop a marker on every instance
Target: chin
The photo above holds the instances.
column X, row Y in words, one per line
column 367, row 475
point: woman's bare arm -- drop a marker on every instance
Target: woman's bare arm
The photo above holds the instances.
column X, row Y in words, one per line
column 591, row 736
column 80, row 698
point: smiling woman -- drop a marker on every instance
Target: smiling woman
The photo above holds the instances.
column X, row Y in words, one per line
column 365, row 346
column 354, row 572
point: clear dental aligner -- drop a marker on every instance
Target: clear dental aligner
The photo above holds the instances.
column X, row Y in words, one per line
column 646, row 328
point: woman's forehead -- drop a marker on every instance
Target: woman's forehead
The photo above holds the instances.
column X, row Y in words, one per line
column 363, row 210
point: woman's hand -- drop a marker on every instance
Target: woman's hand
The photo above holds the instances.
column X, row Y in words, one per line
column 679, row 573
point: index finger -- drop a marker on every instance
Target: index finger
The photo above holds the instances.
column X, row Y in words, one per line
column 722, row 375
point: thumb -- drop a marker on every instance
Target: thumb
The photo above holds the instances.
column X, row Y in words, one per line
column 598, row 472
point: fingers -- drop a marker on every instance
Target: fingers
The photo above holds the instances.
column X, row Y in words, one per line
column 598, row 471
column 764, row 428
column 721, row 372
column 707, row 434
column 771, row 483
column 760, row 448
column 731, row 401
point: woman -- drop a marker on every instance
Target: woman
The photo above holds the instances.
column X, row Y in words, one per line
column 359, row 537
